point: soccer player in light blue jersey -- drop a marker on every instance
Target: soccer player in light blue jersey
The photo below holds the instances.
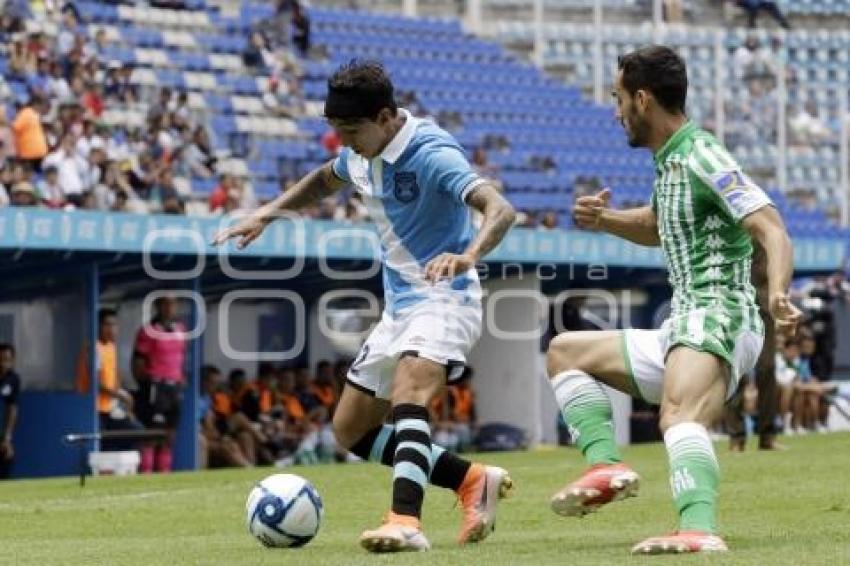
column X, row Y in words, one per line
column 419, row 189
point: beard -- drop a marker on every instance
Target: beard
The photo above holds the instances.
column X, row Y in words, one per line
column 638, row 131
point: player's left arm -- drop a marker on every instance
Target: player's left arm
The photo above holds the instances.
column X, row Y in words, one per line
column 766, row 227
column 499, row 216
column 746, row 204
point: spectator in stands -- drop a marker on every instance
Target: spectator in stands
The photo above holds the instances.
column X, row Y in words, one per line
column 235, row 197
column 7, row 139
column 68, row 31
column 549, row 220
column 38, row 81
column 49, row 189
column 451, row 121
column 257, row 55
column 203, row 147
column 284, row 98
column 188, row 159
column 527, row 219
column 164, row 196
column 73, row 169
column 114, row 403
column 10, row 387
column 216, row 447
column 92, row 99
column 30, row 142
column 100, row 46
column 300, row 28
column 161, row 107
column 22, row 62
column 57, row 86
column 753, row 7
column 23, row 194
column 481, row 164
column 163, row 343
column 219, row 195
column 806, row 128
column 126, row 91
column 12, row 18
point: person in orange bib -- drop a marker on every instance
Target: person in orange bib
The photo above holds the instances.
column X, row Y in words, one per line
column 114, row 404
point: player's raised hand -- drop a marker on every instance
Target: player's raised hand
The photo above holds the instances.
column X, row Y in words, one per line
column 587, row 210
column 785, row 315
column 446, row 266
column 247, row 230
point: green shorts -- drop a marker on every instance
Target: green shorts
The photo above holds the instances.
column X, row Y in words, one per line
column 645, row 351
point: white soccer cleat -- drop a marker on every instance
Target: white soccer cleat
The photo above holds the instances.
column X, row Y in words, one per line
column 399, row 533
column 681, row 543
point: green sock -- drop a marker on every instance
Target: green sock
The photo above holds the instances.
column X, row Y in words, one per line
column 694, row 476
column 587, row 412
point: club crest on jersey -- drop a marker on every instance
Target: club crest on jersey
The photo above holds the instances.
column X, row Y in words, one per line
column 406, row 188
column 729, row 181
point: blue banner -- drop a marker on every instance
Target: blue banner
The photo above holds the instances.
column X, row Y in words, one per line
column 39, row 229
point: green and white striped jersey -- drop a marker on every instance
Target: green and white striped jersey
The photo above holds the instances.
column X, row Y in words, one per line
column 700, row 197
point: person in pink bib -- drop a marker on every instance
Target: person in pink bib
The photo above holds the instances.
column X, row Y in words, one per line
column 162, row 343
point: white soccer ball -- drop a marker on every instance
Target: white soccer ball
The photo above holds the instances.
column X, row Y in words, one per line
column 284, row 511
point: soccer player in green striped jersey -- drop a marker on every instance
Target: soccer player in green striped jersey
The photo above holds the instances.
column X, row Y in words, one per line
column 705, row 214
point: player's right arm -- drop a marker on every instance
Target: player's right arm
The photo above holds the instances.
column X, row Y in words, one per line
column 313, row 187
column 638, row 225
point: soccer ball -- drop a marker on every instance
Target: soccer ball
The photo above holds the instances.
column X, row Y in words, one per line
column 284, row 511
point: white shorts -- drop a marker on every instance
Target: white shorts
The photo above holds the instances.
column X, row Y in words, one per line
column 645, row 352
column 435, row 330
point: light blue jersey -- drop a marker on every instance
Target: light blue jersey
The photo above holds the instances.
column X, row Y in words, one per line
column 415, row 192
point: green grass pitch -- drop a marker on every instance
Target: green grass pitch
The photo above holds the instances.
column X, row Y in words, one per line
column 789, row 507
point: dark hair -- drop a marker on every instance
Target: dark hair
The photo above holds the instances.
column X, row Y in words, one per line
column 359, row 89
column 659, row 70
column 265, row 368
column 6, row 347
column 208, row 370
column 321, row 364
column 104, row 313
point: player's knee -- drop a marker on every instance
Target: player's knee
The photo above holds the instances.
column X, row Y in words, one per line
column 563, row 354
column 342, row 432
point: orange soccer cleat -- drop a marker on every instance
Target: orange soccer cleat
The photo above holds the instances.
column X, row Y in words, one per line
column 600, row 484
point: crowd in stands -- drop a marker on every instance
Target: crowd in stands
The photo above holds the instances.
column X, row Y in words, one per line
column 57, row 152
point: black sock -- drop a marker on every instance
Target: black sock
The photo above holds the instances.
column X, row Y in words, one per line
column 447, row 469
column 412, row 462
